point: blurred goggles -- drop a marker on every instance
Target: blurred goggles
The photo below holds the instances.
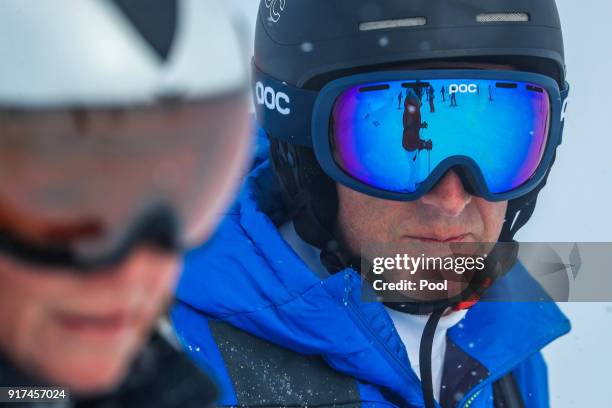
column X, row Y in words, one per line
column 79, row 187
column 394, row 134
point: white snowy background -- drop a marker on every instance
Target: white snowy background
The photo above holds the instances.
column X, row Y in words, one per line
column 575, row 207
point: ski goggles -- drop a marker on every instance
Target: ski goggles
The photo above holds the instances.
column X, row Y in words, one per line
column 80, row 187
column 395, row 134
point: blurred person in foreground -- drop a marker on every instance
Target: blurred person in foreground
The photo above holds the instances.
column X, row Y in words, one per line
column 123, row 133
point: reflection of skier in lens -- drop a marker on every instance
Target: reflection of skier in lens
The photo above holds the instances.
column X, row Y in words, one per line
column 443, row 92
column 490, row 94
column 431, row 97
column 411, row 141
column 399, row 101
column 453, row 99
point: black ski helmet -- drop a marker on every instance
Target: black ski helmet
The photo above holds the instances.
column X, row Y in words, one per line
column 307, row 43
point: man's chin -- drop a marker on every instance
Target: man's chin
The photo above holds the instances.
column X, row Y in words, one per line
column 88, row 367
column 94, row 375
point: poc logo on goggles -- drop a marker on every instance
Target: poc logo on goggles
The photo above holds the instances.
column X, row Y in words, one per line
column 278, row 101
column 463, row 88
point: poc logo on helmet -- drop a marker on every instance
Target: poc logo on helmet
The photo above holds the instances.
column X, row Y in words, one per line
column 463, row 88
column 278, row 101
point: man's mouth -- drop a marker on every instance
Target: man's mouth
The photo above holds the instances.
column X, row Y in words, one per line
column 97, row 326
column 439, row 239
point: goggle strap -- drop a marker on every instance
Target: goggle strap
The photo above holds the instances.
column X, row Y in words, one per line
column 285, row 111
column 282, row 110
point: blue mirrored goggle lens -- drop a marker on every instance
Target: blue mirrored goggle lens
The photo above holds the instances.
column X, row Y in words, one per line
column 392, row 135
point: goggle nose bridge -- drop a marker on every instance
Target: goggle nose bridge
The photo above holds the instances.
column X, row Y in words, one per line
column 466, row 169
column 158, row 227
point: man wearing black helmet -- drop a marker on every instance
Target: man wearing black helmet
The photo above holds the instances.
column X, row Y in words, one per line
column 274, row 305
column 123, row 130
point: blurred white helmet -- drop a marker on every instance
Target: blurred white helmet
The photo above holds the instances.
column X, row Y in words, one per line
column 121, row 122
column 116, row 52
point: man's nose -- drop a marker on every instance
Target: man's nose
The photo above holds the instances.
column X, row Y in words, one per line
column 448, row 196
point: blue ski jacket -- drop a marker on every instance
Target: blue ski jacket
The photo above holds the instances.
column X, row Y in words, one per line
column 273, row 333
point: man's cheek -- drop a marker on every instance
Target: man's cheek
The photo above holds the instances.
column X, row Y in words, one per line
column 162, row 287
column 31, row 281
column 494, row 218
column 22, row 323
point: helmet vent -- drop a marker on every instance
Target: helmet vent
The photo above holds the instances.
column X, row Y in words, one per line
column 390, row 24
column 502, row 17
